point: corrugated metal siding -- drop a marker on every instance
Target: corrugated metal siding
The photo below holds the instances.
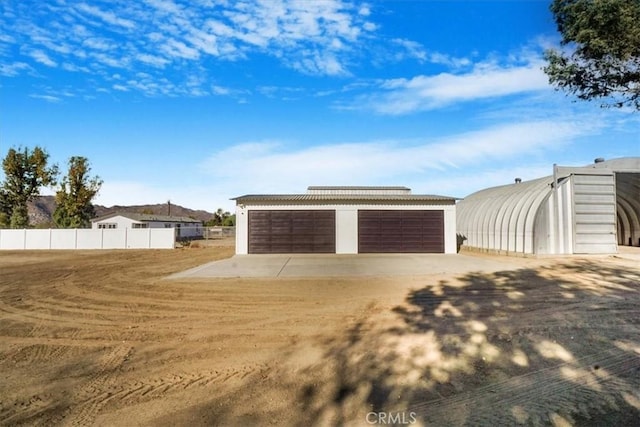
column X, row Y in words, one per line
column 502, row 218
column 405, row 231
column 293, row 231
column 342, row 198
column 628, row 206
column 594, row 207
column 578, row 215
column 333, row 190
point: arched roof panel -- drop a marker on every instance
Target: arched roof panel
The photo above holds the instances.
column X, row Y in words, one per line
column 496, row 218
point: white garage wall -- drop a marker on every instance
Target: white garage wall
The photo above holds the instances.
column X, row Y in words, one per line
column 346, row 223
column 157, row 238
column 347, row 231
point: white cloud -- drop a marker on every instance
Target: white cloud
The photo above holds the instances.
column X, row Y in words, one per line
column 108, row 17
column 410, row 49
column 219, row 90
column 169, row 40
column 271, row 167
column 154, row 60
column 312, row 37
column 166, row 6
column 48, row 98
column 179, row 49
column 460, row 183
column 99, row 43
column 42, row 58
column 204, row 42
column 402, row 96
column 74, row 68
column 404, row 49
column 448, row 60
column 14, row 68
column 364, row 10
column 324, row 63
column 6, row 38
column 111, row 61
column 370, row 26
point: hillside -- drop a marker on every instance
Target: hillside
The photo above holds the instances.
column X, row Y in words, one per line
column 42, row 208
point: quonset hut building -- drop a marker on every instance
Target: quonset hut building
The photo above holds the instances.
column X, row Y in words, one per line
column 577, row 210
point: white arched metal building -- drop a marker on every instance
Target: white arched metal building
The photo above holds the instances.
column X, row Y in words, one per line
column 589, row 210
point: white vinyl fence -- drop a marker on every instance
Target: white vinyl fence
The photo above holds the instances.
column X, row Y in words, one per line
column 124, row 238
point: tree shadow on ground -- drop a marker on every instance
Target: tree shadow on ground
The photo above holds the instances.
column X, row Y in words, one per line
column 553, row 345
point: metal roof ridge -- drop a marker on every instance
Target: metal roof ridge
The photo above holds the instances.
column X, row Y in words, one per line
column 345, row 196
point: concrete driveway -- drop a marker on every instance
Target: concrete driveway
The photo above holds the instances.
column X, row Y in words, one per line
column 332, row 265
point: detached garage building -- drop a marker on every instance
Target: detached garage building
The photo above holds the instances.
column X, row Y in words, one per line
column 346, row 220
column 577, row 210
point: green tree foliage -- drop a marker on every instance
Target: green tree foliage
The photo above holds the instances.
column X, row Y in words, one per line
column 221, row 217
column 5, row 211
column 26, row 171
column 229, row 221
column 604, row 37
column 77, row 189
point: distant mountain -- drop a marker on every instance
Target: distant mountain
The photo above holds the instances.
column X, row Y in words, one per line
column 42, row 208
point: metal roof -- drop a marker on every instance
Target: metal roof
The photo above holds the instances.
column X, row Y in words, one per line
column 357, row 188
column 342, row 198
column 504, row 218
column 148, row 217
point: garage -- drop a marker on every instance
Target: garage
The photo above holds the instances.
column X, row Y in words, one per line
column 346, row 220
column 292, row 231
column 401, row 231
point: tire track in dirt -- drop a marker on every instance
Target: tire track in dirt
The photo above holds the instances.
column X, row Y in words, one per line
column 589, row 385
column 25, row 409
column 103, row 390
column 104, row 379
column 64, row 342
column 31, row 316
column 148, row 389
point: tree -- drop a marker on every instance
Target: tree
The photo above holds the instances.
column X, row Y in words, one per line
column 77, row 189
column 605, row 63
column 5, row 211
column 229, row 221
column 220, row 217
column 26, row 171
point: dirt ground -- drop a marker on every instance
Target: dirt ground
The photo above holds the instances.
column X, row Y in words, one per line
column 101, row 338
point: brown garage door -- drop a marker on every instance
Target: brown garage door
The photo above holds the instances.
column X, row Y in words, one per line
column 272, row 232
column 400, row 231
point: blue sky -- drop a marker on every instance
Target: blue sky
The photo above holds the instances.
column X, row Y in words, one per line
column 200, row 101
